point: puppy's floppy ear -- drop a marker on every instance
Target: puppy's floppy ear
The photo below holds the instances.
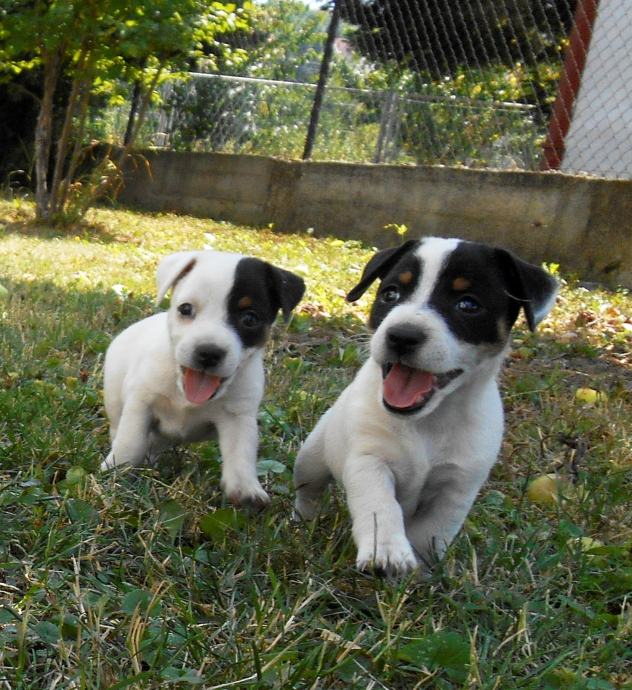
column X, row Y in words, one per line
column 171, row 269
column 530, row 286
column 379, row 265
column 286, row 289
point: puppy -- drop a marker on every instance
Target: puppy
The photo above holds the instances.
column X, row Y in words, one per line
column 414, row 436
column 197, row 370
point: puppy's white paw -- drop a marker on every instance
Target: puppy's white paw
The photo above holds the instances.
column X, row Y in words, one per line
column 392, row 556
column 108, row 463
column 305, row 508
column 243, row 495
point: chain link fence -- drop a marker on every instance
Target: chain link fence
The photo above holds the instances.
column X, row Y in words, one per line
column 512, row 84
column 259, row 116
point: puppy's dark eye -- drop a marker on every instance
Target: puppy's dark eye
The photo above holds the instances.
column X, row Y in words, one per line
column 390, row 295
column 185, row 309
column 468, row 305
column 250, row 319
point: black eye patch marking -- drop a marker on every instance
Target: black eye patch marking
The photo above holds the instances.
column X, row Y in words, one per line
column 396, row 287
column 249, row 304
column 389, row 295
column 249, row 320
column 468, row 305
column 470, row 295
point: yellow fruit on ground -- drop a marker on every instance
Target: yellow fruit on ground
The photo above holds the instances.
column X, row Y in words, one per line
column 544, row 490
column 590, row 396
column 586, row 543
column 75, row 474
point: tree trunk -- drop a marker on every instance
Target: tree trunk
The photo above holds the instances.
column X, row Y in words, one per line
column 142, row 113
column 136, row 94
column 62, row 144
column 132, row 113
column 107, row 181
column 76, row 150
column 44, row 134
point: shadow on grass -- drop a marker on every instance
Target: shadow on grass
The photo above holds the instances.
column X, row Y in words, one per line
column 53, row 341
column 23, row 223
column 581, row 357
column 59, row 335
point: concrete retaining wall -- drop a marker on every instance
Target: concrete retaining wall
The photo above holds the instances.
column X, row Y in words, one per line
column 583, row 224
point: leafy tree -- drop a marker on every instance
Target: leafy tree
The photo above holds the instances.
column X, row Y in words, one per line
column 288, row 42
column 94, row 44
column 439, row 36
column 284, row 42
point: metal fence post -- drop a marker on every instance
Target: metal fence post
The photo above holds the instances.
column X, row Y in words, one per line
column 322, row 80
column 387, row 126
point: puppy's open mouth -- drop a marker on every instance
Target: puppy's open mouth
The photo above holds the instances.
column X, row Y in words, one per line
column 199, row 386
column 407, row 390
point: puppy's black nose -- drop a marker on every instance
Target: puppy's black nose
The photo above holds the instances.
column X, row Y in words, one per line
column 404, row 339
column 207, row 356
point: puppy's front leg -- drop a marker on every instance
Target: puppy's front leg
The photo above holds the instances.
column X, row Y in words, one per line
column 378, row 522
column 131, row 441
column 444, row 504
column 238, row 441
column 311, row 474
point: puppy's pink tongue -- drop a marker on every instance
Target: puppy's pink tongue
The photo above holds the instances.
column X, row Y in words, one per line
column 198, row 386
column 404, row 387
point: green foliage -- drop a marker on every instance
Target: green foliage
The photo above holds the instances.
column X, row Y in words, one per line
column 451, row 118
column 123, row 39
column 292, row 41
column 438, row 39
column 95, row 44
column 442, row 651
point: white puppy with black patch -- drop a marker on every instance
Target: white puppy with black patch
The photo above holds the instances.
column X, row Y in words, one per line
column 414, row 436
column 196, row 371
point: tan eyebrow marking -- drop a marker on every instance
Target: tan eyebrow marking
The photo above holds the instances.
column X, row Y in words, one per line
column 405, row 277
column 461, row 284
column 245, row 302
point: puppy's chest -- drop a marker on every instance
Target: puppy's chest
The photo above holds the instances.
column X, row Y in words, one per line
column 182, row 424
column 421, row 461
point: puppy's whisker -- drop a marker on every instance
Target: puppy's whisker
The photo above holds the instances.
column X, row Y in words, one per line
column 524, row 300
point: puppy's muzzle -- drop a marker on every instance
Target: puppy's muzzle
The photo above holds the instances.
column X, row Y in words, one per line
column 408, row 389
column 404, row 339
column 209, row 356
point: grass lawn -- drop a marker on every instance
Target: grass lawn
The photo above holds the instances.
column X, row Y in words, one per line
column 146, row 578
